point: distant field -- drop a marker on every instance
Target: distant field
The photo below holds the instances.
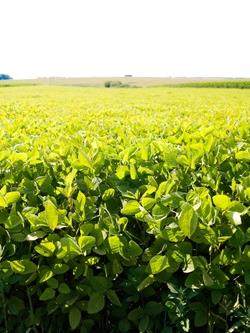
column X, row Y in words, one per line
column 217, row 84
column 133, row 81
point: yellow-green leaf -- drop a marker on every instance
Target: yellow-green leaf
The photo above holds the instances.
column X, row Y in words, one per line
column 221, row 201
column 188, row 220
column 86, row 242
column 131, row 208
column 12, row 197
column 158, row 263
column 23, row 266
column 51, row 214
column 45, row 248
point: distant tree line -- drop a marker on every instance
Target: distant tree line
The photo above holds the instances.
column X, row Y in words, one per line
column 5, row 77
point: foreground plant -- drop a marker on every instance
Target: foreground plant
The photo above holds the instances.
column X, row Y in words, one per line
column 117, row 222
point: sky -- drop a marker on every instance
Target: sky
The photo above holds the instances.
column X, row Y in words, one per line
column 81, row 38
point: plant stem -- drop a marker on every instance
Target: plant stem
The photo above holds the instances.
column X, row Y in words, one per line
column 4, row 313
column 31, row 310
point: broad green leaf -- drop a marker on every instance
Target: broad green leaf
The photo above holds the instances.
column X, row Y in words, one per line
column 35, row 235
column 45, row 274
column 23, row 266
column 219, row 277
column 52, row 283
column 172, row 234
column 143, row 324
column 86, row 228
column 135, row 315
column 159, row 211
column 234, row 217
column 153, row 308
column 51, row 214
column 122, row 171
column 14, row 220
column 69, row 189
column 148, row 203
column 60, row 268
column 95, row 303
column 132, row 249
column 158, row 263
column 188, row 264
column 236, row 206
column 243, row 155
column 74, row 317
column 81, row 161
column 246, row 253
column 3, row 190
column 208, row 281
column 86, row 242
column 131, row 208
column 100, row 284
column 84, row 161
column 108, row 194
column 12, row 197
column 116, row 267
column 63, row 288
column 45, row 248
column 132, row 171
column 112, row 296
column 146, row 282
column 47, row 294
column 115, row 244
column 69, row 248
column 81, row 199
column 221, row 201
column 188, row 220
column 194, row 280
column 15, row 157
column 3, row 202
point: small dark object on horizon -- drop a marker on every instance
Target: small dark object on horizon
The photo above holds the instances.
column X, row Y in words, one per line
column 128, row 75
column 5, row 77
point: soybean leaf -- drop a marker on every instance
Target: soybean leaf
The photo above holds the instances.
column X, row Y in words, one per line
column 23, row 266
column 51, row 214
column 158, row 263
column 131, row 208
column 221, row 201
column 188, row 220
column 74, row 317
column 47, row 294
column 95, row 303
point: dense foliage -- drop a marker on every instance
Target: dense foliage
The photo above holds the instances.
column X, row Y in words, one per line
column 5, row 77
column 124, row 210
column 116, row 84
column 218, row 84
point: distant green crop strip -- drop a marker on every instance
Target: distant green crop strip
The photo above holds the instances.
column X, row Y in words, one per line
column 124, row 210
column 217, row 84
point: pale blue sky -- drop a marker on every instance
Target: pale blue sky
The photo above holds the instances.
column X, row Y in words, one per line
column 117, row 37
